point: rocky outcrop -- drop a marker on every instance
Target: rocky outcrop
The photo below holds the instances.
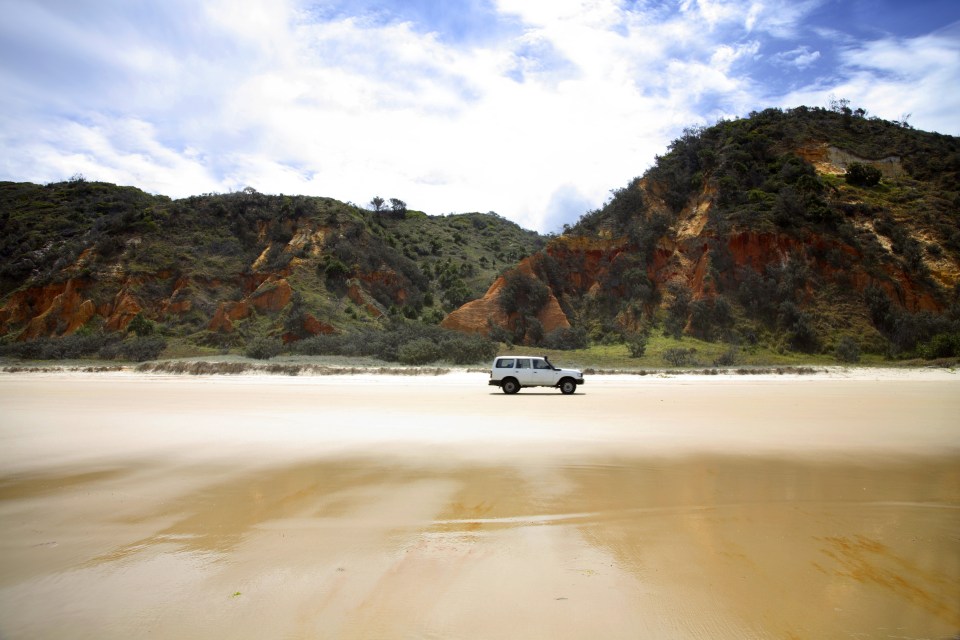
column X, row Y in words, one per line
column 122, row 311
column 309, row 326
column 270, row 296
column 54, row 310
column 478, row 316
column 827, row 158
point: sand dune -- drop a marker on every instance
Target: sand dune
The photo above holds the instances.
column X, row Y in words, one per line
column 436, row 507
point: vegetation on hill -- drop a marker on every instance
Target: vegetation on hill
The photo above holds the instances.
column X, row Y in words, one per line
column 818, row 232
column 225, row 271
column 807, row 230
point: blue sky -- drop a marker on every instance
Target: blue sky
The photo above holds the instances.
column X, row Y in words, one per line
column 535, row 109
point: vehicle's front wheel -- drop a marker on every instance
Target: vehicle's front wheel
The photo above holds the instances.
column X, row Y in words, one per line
column 567, row 386
column 510, row 386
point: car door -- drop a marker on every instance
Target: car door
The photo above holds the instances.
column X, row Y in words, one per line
column 524, row 372
column 541, row 372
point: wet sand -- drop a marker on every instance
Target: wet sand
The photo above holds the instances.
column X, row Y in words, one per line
column 379, row 507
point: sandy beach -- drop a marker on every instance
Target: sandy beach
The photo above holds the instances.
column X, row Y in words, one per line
column 720, row 507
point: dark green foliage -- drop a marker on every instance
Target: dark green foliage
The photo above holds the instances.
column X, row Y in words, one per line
column 680, row 357
column 679, row 172
column 863, row 175
column 677, row 310
column 141, row 349
column 943, row 345
column 522, row 294
column 798, row 326
column 264, row 348
column 77, row 345
column 403, row 341
column 710, row 318
column 141, row 326
column 924, row 332
column 398, row 208
column 418, row 351
column 522, row 297
column 728, row 358
column 637, row 344
column 625, row 205
column 467, row 349
column 565, row 339
column 847, row 350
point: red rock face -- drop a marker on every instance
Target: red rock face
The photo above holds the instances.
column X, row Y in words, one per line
column 690, row 261
column 311, row 326
column 478, row 315
column 269, row 296
column 59, row 315
column 53, row 310
column 124, row 309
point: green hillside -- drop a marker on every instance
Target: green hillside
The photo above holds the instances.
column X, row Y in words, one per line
column 278, row 268
column 808, row 231
column 804, row 234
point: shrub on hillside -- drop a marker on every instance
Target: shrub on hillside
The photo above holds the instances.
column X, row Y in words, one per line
column 472, row 349
column 418, row 351
column 70, row 347
column 943, row 345
column 863, row 175
column 728, row 358
column 637, row 344
column 565, row 339
column 407, row 342
column 141, row 326
column 848, row 350
column 139, row 349
column 680, row 357
column 264, row 348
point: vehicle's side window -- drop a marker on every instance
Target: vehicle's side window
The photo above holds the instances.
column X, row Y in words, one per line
column 540, row 364
column 505, row 363
column 523, row 363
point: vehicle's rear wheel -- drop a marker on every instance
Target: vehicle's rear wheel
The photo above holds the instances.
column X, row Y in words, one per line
column 510, row 386
column 567, row 386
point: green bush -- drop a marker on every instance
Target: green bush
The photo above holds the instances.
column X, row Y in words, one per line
column 728, row 358
column 942, row 346
column 70, row 347
column 141, row 326
column 407, row 342
column 847, row 350
column 566, row 339
column 637, row 345
column 468, row 349
column 264, row 348
column 139, row 349
column 680, row 357
column 418, row 351
column 863, row 175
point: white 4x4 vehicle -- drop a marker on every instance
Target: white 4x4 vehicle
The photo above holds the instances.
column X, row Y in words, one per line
column 511, row 373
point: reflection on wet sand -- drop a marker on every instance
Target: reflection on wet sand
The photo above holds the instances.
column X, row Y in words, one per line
column 693, row 547
column 566, row 529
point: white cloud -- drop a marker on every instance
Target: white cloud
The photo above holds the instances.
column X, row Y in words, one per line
column 892, row 76
column 801, row 57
